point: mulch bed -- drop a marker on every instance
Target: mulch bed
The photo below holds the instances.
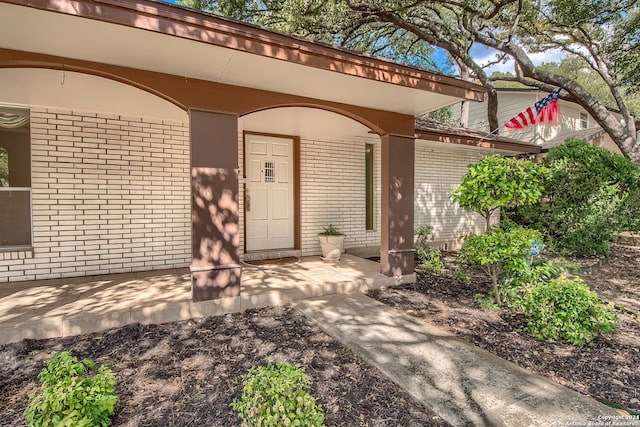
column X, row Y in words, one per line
column 187, row 373
column 607, row 369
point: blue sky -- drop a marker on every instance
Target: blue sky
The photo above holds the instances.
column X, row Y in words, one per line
column 485, row 55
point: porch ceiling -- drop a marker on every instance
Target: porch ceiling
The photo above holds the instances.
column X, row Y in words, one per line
column 159, row 37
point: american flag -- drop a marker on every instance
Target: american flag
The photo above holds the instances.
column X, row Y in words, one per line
column 544, row 111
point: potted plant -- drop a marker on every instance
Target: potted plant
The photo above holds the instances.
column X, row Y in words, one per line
column 331, row 242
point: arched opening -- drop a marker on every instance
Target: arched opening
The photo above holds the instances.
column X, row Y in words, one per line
column 330, row 154
column 108, row 162
column 307, row 114
column 79, row 91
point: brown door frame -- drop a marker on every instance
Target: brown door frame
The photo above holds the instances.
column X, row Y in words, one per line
column 296, row 184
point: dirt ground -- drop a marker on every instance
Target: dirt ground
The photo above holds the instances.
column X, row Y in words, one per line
column 607, row 369
column 187, row 373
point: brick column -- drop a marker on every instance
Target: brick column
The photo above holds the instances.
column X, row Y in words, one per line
column 215, row 266
column 396, row 246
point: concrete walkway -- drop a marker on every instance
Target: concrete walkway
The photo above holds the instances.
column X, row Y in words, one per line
column 71, row 306
column 464, row 384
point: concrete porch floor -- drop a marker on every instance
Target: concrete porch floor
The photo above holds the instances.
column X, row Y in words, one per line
column 71, row 306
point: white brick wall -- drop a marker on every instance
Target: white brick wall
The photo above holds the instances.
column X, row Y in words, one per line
column 333, row 191
column 439, row 169
column 110, row 194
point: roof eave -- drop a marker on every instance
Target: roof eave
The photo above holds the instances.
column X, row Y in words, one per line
column 488, row 142
column 200, row 27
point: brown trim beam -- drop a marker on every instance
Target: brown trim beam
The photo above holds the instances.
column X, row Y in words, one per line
column 207, row 95
column 490, row 142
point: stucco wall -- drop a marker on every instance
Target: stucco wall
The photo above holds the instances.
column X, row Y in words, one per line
column 439, row 169
column 110, row 194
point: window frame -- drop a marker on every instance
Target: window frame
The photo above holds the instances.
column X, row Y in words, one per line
column 369, row 160
column 584, row 121
column 21, row 188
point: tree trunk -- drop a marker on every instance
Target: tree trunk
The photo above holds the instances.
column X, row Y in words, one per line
column 464, row 114
column 623, row 134
column 492, row 110
column 496, row 287
column 465, row 105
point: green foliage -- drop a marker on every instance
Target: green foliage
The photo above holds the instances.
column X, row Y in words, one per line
column 443, row 115
column 516, row 283
column 568, row 310
column 601, row 35
column 460, row 276
column 590, row 195
column 70, row 397
column 4, row 168
column 497, row 182
column 486, row 302
column 276, row 395
column 503, row 247
column 330, row 230
column 429, row 256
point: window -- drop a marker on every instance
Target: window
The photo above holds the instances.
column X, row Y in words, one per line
column 15, row 179
column 584, row 121
column 368, row 160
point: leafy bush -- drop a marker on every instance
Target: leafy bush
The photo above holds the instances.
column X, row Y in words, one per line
column 276, row 395
column 429, row 256
column 70, row 397
column 497, row 182
column 502, row 247
column 486, row 302
column 517, row 282
column 567, row 309
column 460, row 276
column 590, row 195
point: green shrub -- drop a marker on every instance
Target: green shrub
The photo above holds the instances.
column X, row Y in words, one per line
column 460, row 276
column 590, row 195
column 517, row 282
column 429, row 257
column 276, row 395
column 496, row 182
column 568, row 310
column 70, row 397
column 503, row 247
column 486, row 302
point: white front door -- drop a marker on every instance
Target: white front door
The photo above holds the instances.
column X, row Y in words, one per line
column 269, row 192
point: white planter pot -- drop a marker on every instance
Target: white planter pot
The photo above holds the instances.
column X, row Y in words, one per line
column 332, row 247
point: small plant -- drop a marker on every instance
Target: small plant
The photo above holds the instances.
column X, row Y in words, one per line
column 460, row 276
column 567, row 309
column 70, row 397
column 486, row 302
column 276, row 395
column 429, row 256
column 503, row 247
column 330, row 230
